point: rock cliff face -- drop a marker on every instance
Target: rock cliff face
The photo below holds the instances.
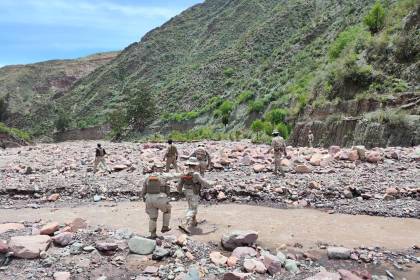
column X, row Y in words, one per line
column 394, row 121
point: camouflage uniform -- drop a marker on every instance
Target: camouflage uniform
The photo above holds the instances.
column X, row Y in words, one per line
column 156, row 195
column 192, row 183
column 203, row 158
column 310, row 139
column 100, row 160
column 279, row 146
column 171, row 157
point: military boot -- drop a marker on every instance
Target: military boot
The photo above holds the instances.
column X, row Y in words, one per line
column 165, row 229
column 185, row 226
column 194, row 222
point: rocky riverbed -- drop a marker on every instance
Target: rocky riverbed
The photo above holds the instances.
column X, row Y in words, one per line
column 378, row 182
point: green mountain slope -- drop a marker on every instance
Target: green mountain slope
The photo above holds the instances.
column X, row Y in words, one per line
column 24, row 88
column 306, row 58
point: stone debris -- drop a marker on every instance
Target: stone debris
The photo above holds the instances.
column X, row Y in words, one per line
column 238, row 239
column 29, row 247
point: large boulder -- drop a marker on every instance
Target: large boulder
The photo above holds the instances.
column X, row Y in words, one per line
column 252, row 265
column 361, row 151
column 29, row 247
column 373, row 157
column 141, row 246
column 49, row 229
column 239, row 238
column 272, row 263
column 303, row 168
column 241, row 252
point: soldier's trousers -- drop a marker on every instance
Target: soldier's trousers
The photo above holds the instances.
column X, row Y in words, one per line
column 277, row 164
column 192, row 200
column 203, row 164
column 100, row 161
column 171, row 161
column 154, row 203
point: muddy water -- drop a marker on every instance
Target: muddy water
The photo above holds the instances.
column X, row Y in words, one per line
column 275, row 226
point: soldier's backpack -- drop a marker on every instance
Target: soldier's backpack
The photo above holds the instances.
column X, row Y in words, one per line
column 100, row 152
column 278, row 144
column 171, row 151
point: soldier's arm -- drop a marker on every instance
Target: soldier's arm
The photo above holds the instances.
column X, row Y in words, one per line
column 208, row 158
column 165, row 184
column 180, row 185
column 285, row 149
column 144, row 190
column 176, row 152
column 197, row 178
column 166, row 154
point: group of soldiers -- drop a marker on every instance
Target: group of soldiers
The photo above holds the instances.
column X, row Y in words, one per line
column 156, row 191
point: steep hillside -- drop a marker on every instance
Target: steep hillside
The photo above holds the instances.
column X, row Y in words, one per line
column 293, row 64
column 24, row 88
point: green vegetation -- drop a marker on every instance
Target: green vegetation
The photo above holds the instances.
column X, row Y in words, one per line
column 256, row 106
column 141, row 108
column 345, row 39
column 244, row 97
column 63, row 122
column 3, row 109
column 257, row 126
column 276, row 116
column 375, row 19
column 15, row 132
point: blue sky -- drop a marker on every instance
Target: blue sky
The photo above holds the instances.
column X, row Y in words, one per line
column 38, row 30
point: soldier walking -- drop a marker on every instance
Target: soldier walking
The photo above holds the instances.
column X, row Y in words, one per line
column 191, row 183
column 279, row 146
column 310, row 138
column 203, row 158
column 171, row 156
column 155, row 193
column 100, row 159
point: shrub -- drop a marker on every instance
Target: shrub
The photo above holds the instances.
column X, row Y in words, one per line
column 257, row 126
column 276, row 116
column 343, row 40
column 3, row 109
column 14, row 132
column 229, row 72
column 407, row 47
column 118, row 120
column 244, row 97
column 284, row 130
column 63, row 122
column 375, row 19
column 256, row 106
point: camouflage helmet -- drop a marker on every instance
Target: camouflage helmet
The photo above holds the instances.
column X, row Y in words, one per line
column 275, row 132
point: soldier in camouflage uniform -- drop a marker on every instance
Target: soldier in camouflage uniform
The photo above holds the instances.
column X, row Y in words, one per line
column 279, row 146
column 156, row 195
column 171, row 156
column 310, row 138
column 203, row 157
column 192, row 183
column 100, row 159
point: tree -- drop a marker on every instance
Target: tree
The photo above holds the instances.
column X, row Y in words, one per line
column 224, row 111
column 63, row 122
column 375, row 19
column 257, row 126
column 118, row 120
column 276, row 116
column 3, row 109
column 141, row 107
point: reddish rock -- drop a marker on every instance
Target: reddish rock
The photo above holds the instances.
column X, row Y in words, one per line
column 53, row 197
column 236, row 276
column 10, row 226
column 252, row 265
column 62, row 275
column 314, row 185
column 105, row 247
column 63, row 239
column 353, row 155
column 77, row 224
column 182, row 240
column 231, row 262
column 285, row 162
column 3, row 247
column 258, row 168
column 221, row 196
column 241, row 252
column 316, row 160
column 272, row 263
column 303, row 168
column 29, row 247
column 217, row 258
column 49, row 229
column 373, row 157
column 190, row 256
column 334, row 150
column 325, row 275
column 347, row 275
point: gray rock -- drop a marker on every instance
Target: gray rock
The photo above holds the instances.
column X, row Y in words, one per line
column 159, row 253
column 241, row 252
column 63, row 239
column 291, row 266
column 338, row 253
column 89, row 249
column 192, row 274
column 76, row 248
column 281, row 257
column 97, row 198
column 105, row 247
column 141, row 246
column 272, row 263
column 239, row 239
column 325, row 275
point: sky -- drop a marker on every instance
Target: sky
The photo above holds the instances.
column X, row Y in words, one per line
column 39, row 30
